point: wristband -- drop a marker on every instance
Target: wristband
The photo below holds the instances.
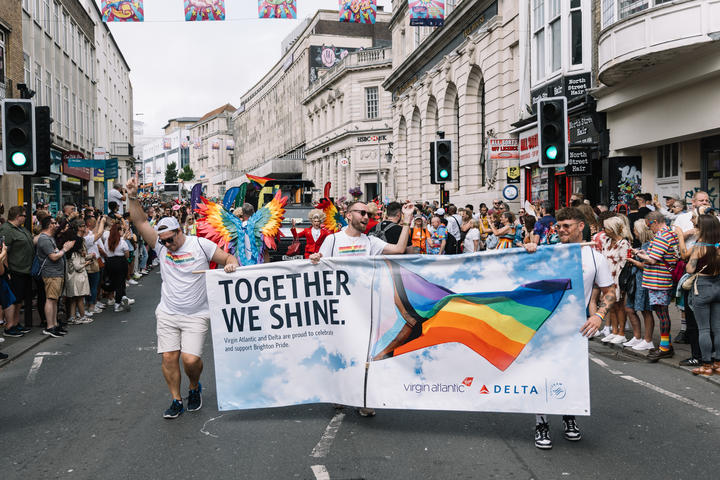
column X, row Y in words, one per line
column 600, row 316
column 406, row 224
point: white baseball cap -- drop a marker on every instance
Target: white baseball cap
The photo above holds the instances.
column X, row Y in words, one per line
column 167, row 223
column 440, row 211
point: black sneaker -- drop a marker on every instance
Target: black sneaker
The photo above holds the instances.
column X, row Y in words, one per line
column 542, row 436
column 681, row 337
column 571, row 430
column 52, row 332
column 62, row 330
column 3, row 356
column 176, row 408
column 690, row 362
column 23, row 329
column 195, row 399
column 13, row 332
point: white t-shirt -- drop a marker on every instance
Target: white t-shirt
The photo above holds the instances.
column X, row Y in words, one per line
column 116, row 196
column 342, row 245
column 120, row 248
column 469, row 245
column 183, row 292
column 594, row 273
column 315, row 233
column 684, row 221
column 91, row 245
column 453, row 225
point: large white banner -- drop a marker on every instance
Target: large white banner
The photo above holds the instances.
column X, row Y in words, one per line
column 494, row 331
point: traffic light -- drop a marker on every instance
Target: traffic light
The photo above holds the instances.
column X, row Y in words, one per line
column 18, row 124
column 42, row 141
column 443, row 161
column 552, row 131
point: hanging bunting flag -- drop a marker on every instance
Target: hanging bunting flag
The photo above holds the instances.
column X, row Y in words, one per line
column 197, row 143
column 426, row 13
column 166, row 144
column 204, row 10
column 216, row 145
column 229, row 144
column 123, row 11
column 184, row 144
column 277, row 9
column 357, row 11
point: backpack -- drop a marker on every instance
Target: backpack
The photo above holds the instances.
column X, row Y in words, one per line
column 451, row 245
column 381, row 232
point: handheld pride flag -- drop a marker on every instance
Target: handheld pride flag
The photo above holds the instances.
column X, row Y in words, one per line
column 496, row 325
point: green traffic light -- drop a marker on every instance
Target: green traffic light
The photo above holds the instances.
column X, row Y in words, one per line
column 443, row 173
column 18, row 159
column 551, row 152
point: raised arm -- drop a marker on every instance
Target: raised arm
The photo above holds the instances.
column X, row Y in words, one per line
column 401, row 245
column 137, row 215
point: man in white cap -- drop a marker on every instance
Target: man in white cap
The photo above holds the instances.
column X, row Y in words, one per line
column 183, row 314
column 667, row 210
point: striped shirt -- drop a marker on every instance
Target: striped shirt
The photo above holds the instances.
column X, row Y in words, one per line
column 663, row 249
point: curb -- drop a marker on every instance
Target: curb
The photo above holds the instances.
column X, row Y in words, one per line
column 22, row 345
column 671, row 362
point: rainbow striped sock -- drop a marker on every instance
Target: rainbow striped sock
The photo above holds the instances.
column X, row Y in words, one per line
column 664, row 343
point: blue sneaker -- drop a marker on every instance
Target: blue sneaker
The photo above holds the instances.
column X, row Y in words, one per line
column 176, row 408
column 195, row 399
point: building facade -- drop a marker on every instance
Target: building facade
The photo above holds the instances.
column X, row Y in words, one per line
column 348, row 126
column 212, row 151
column 461, row 80
column 659, row 73
column 172, row 147
column 269, row 126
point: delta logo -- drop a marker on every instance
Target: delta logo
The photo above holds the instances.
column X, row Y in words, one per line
column 510, row 390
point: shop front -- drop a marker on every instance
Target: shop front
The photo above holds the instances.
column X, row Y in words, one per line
column 74, row 187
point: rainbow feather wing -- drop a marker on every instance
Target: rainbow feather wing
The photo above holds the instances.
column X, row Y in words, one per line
column 218, row 225
column 265, row 223
column 334, row 222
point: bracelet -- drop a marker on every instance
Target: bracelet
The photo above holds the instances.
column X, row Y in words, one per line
column 601, row 317
column 406, row 224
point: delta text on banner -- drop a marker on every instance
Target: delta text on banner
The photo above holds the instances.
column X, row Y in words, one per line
column 494, row 331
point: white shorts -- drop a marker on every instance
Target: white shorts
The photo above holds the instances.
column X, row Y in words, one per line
column 181, row 332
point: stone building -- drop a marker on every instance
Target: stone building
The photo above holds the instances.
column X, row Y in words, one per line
column 212, row 151
column 269, row 126
column 460, row 79
column 172, row 147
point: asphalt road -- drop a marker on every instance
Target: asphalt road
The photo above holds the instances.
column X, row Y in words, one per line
column 89, row 406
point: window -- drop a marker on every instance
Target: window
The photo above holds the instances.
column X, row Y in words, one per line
column 576, row 56
column 2, row 62
column 48, row 89
column 57, row 112
column 628, row 7
column 371, row 102
column 38, row 84
column 667, row 162
column 555, row 35
column 26, row 67
column 539, row 38
column 66, row 112
column 56, row 21
column 66, row 29
column 73, row 118
column 46, row 16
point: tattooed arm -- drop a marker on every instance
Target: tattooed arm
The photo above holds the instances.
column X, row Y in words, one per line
column 691, row 266
column 594, row 321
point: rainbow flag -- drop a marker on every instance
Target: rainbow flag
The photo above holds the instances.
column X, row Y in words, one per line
column 496, row 325
column 258, row 180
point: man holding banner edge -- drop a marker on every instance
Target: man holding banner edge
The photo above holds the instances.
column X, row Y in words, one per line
column 183, row 313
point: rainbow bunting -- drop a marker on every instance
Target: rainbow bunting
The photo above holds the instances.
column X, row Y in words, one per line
column 496, row 325
column 204, row 10
column 123, row 11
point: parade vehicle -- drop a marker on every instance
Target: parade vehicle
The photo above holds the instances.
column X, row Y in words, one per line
column 299, row 193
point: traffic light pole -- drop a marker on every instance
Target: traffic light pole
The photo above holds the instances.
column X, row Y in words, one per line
column 27, row 203
column 442, row 194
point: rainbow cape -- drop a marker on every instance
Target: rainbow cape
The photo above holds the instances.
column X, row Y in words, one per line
column 496, row 325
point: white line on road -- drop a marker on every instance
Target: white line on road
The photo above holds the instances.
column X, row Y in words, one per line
column 50, row 354
column 37, row 361
column 202, row 430
column 672, row 395
column 320, row 472
column 657, row 389
column 323, row 446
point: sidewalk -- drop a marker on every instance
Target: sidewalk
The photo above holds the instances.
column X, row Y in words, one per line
column 682, row 350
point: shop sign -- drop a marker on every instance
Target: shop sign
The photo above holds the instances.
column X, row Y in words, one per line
column 578, row 163
column 570, row 87
column 528, row 146
column 83, row 173
column 504, row 149
column 513, row 175
column 372, row 139
column 582, row 129
column 344, row 162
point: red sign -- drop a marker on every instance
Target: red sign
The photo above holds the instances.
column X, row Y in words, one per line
column 77, row 172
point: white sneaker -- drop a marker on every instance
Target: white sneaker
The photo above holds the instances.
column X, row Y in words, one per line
column 88, row 313
column 74, row 321
column 130, row 301
column 605, row 331
column 618, row 339
column 110, row 302
column 608, row 338
column 118, row 308
column 643, row 345
column 98, row 308
column 632, row 342
column 85, row 320
column 132, row 282
column 136, row 276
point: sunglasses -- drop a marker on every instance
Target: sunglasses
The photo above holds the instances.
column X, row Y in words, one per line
column 361, row 212
column 565, row 226
column 166, row 241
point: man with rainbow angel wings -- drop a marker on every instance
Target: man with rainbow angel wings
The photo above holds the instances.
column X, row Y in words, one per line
column 334, row 221
column 247, row 238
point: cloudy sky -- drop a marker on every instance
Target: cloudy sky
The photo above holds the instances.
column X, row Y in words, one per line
column 183, row 68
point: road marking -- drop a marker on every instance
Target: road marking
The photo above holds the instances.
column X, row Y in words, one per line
column 37, row 362
column 672, row 395
column 146, row 349
column 323, row 446
column 320, row 472
column 202, row 430
column 50, row 354
column 657, row 389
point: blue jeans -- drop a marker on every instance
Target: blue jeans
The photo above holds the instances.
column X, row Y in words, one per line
column 94, row 279
column 706, row 306
column 142, row 259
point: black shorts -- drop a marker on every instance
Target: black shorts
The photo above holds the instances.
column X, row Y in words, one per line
column 21, row 286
